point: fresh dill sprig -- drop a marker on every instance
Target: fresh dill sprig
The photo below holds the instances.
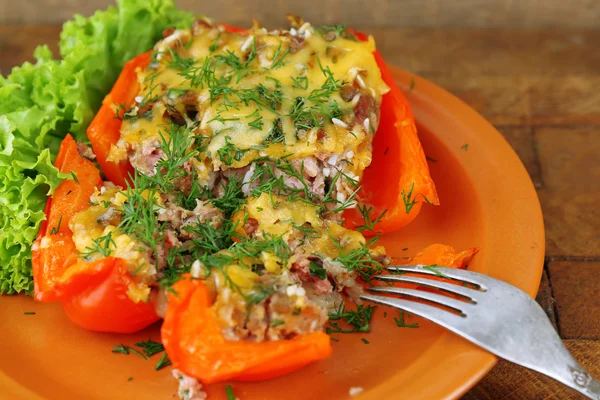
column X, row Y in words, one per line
column 257, row 122
column 55, row 229
column 366, row 212
column 300, row 82
column 150, row 347
column 362, row 261
column 358, row 320
column 232, row 198
column 408, row 200
column 229, row 392
column 178, row 62
column 120, row 349
column 163, row 362
column 278, row 57
column 317, row 270
column 230, row 152
column 102, row 245
column 402, row 324
column 433, row 268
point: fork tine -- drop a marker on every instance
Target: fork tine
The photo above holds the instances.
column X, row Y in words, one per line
column 453, row 273
column 446, row 301
column 445, row 286
column 444, row 318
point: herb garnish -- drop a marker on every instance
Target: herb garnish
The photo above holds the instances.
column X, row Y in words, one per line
column 402, row 324
column 163, row 362
column 412, row 84
column 369, row 222
column 317, row 270
column 229, row 392
column 358, row 319
column 433, row 268
column 55, row 229
column 150, row 347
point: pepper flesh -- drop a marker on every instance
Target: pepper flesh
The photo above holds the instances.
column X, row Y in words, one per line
column 54, row 251
column 104, row 305
column 398, row 161
column 442, row 255
column 92, row 293
column 105, row 129
column 192, row 338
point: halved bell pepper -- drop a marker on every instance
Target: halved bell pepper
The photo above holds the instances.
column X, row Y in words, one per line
column 192, row 338
column 398, row 180
column 105, row 129
column 92, row 293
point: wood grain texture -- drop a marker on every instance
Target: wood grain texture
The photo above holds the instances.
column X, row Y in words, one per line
column 571, row 193
column 522, row 140
column 540, row 88
column 576, row 286
column 509, row 382
column 390, row 13
column 545, row 298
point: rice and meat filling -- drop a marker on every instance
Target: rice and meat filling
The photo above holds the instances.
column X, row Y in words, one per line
column 246, row 148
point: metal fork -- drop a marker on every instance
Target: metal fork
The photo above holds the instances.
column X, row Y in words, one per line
column 490, row 313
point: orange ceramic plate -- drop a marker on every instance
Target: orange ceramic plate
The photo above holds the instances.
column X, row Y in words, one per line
column 488, row 201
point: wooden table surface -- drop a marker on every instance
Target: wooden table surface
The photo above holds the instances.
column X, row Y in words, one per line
column 541, row 89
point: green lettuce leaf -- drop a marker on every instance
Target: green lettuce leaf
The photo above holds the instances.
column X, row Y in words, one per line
column 41, row 102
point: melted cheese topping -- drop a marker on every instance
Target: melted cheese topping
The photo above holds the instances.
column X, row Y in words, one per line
column 278, row 217
column 258, row 95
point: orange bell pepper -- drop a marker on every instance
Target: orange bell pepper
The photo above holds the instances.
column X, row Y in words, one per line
column 105, row 129
column 398, row 179
column 442, row 255
column 233, row 29
column 54, row 251
column 92, row 293
column 104, row 306
column 192, row 338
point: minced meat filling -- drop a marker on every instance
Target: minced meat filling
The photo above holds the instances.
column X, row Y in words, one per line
column 247, row 148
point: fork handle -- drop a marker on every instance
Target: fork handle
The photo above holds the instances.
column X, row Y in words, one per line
column 577, row 378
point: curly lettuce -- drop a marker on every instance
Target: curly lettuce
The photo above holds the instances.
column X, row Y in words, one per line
column 40, row 103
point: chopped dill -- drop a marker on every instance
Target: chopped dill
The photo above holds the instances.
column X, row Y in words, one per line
column 55, row 229
column 433, row 268
column 229, row 392
column 163, row 362
column 402, row 324
column 74, row 177
column 150, row 347
column 358, row 320
column 317, row 270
